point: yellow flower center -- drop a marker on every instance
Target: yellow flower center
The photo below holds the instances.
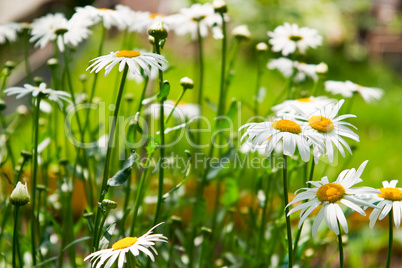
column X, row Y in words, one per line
column 321, row 123
column 287, row 126
column 331, row 192
column 393, row 194
column 127, row 54
column 124, row 243
column 304, row 100
column 181, row 103
column 295, row 38
column 154, row 15
column 105, row 9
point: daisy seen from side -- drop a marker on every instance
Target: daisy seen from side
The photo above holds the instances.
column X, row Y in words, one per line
column 348, row 88
column 108, row 17
column 9, row 32
column 299, row 70
column 308, row 105
column 328, row 196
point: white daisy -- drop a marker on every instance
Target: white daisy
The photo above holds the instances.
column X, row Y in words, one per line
column 186, row 22
column 287, row 131
column 307, row 105
column 109, row 17
column 55, row 26
column 183, row 110
column 128, row 244
column 9, row 32
column 326, row 122
column 390, row 198
column 329, row 196
column 54, row 95
column 134, row 59
column 287, row 67
column 288, row 38
column 346, row 89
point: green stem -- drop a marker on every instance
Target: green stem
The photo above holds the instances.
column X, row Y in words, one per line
column 221, row 103
column 201, row 78
column 162, row 141
column 26, row 56
column 107, row 159
column 285, row 195
column 315, row 87
column 103, row 222
column 261, row 232
column 258, row 83
column 15, row 238
column 34, row 176
column 139, row 195
column 340, row 247
column 175, row 105
column 390, row 238
column 231, row 64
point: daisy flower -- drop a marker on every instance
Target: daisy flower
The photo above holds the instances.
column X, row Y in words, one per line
column 390, row 198
column 134, row 59
column 9, row 31
column 287, row 131
column 288, row 68
column 53, row 95
column 308, row 105
column 56, row 27
column 186, row 22
column 128, row 244
column 326, row 122
column 288, row 38
column 109, row 17
column 348, row 88
column 329, row 196
column 183, row 110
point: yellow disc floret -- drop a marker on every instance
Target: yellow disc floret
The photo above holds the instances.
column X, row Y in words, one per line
column 393, row 194
column 287, row 126
column 154, row 15
column 331, row 192
column 304, row 100
column 321, row 123
column 105, row 9
column 127, row 54
column 124, row 243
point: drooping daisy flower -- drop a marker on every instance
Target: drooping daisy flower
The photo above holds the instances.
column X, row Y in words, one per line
column 128, row 244
column 287, row 67
column 346, row 89
column 109, row 17
column 329, row 196
column 186, row 22
column 331, row 126
column 390, row 198
column 288, row 38
column 55, row 26
column 287, row 131
column 54, row 95
column 9, row 31
column 307, row 105
column 183, row 110
column 134, row 59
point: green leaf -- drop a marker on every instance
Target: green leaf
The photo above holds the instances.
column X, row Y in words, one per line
column 231, row 194
column 216, row 167
column 107, row 236
column 211, row 105
column 122, row 175
column 165, row 90
column 184, row 179
column 76, row 241
column 230, row 116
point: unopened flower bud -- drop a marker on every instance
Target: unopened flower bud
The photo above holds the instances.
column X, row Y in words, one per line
column 20, row 196
column 83, row 77
column 38, row 80
column 158, row 30
column 52, row 62
column 41, row 187
column 129, row 97
column 186, row 83
column 63, row 161
column 2, row 105
column 206, row 230
column 220, row 6
column 176, row 219
column 262, row 46
column 321, row 68
column 22, row 110
column 10, row 65
column 109, row 204
column 26, row 155
column 241, row 32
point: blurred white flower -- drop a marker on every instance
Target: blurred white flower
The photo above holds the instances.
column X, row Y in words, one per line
column 108, row 17
column 307, row 105
column 288, row 38
column 9, row 31
column 287, row 67
column 348, row 88
column 183, row 110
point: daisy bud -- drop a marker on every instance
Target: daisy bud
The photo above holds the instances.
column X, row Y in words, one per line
column 83, row 77
column 2, row 105
column 241, row 32
column 26, row 155
column 262, row 46
column 63, row 162
column 129, row 97
column 186, row 83
column 88, row 215
column 22, row 110
column 220, row 6
column 109, row 204
column 158, row 30
column 38, row 80
column 176, row 219
column 321, row 69
column 10, row 65
column 96, row 100
column 52, row 62
column 20, row 196
column 206, row 230
column 41, row 187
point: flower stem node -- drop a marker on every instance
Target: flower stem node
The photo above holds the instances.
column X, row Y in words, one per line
column 220, row 6
column 20, row 196
column 262, row 47
column 26, row 155
column 2, row 105
column 109, row 204
column 158, row 30
column 186, row 83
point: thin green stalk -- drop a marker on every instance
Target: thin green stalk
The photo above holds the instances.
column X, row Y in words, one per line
column 140, row 194
column 340, row 247
column 175, row 105
column 103, row 222
column 285, row 195
column 258, row 83
column 107, row 159
column 232, row 63
column 315, row 87
column 261, row 231
column 26, row 56
column 34, row 181
column 201, row 78
column 15, row 239
column 390, row 238
column 351, row 101
column 162, row 141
